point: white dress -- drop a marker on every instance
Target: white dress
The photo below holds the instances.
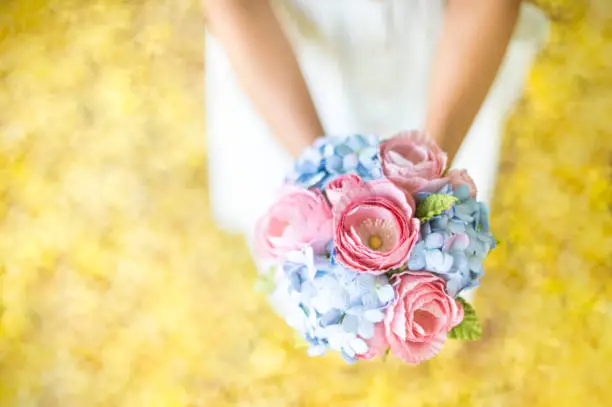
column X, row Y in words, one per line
column 366, row 63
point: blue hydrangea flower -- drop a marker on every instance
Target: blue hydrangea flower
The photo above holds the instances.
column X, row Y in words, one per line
column 454, row 244
column 330, row 157
column 338, row 307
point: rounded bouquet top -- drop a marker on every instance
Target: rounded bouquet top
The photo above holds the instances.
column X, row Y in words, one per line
column 369, row 245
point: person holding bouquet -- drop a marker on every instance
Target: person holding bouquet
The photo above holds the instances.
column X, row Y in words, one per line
column 374, row 243
column 281, row 73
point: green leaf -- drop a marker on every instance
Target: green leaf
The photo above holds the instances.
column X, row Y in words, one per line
column 385, row 356
column 434, row 205
column 265, row 282
column 396, row 271
column 469, row 329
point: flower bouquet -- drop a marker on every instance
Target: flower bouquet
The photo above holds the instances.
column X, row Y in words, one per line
column 369, row 246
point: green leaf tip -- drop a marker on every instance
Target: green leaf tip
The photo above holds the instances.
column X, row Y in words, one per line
column 469, row 329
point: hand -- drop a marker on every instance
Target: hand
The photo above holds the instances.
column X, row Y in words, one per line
column 474, row 40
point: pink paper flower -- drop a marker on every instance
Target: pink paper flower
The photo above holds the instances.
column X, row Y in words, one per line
column 461, row 177
column 412, row 160
column 341, row 185
column 299, row 218
column 374, row 227
column 418, row 322
column 455, row 178
column 377, row 345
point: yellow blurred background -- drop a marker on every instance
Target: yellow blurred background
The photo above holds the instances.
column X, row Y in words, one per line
column 117, row 290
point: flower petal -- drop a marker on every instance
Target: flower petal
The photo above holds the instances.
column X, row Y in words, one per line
column 385, row 294
column 374, row 315
column 366, row 330
column 359, row 346
column 434, row 241
column 350, row 323
column 434, row 260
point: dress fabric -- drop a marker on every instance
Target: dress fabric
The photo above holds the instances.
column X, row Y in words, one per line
column 366, row 63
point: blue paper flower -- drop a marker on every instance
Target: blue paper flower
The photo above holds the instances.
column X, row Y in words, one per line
column 339, row 307
column 454, row 244
column 330, row 157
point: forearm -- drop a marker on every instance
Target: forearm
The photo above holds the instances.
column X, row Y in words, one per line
column 266, row 68
column 472, row 46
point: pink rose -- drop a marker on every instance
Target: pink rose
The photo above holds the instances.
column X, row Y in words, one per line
column 461, row 177
column 338, row 187
column 299, row 218
column 412, row 160
column 374, row 227
column 377, row 345
column 418, row 322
